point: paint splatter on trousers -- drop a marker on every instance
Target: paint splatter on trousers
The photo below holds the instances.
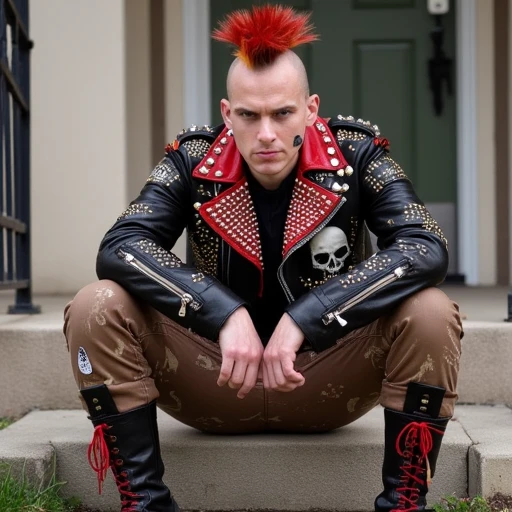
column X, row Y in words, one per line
column 141, row 355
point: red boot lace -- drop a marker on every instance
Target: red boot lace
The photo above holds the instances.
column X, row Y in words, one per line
column 98, row 455
column 417, row 435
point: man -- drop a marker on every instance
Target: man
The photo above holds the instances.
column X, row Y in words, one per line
column 284, row 306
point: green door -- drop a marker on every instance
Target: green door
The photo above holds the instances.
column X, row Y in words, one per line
column 372, row 63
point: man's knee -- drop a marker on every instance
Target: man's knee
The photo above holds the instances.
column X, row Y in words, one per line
column 431, row 309
column 93, row 305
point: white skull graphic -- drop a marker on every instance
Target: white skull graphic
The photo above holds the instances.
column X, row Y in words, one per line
column 329, row 249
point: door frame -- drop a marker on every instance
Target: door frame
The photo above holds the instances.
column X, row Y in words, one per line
column 197, row 108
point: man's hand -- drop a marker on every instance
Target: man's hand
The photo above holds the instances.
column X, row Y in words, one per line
column 279, row 356
column 241, row 350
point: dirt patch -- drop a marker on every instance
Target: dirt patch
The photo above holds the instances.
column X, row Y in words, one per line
column 500, row 502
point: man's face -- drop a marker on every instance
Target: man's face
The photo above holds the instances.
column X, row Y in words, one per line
column 266, row 110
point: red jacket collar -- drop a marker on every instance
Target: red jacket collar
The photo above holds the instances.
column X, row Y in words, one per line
column 223, row 162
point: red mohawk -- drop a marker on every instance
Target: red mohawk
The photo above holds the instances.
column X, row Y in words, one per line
column 265, row 32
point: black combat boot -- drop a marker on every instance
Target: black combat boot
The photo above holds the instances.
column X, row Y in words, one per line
column 128, row 443
column 412, row 444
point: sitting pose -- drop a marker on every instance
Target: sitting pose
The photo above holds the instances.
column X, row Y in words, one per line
column 283, row 320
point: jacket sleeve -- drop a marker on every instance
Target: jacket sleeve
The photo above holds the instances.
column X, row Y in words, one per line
column 412, row 249
column 137, row 253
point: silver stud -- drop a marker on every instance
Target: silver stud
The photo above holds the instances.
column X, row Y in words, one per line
column 331, row 151
column 203, row 170
column 224, row 141
column 210, row 161
column 349, row 171
column 345, row 187
column 197, row 206
column 336, row 187
column 335, row 162
column 327, row 139
column 217, row 151
column 219, row 174
column 340, row 172
column 230, row 133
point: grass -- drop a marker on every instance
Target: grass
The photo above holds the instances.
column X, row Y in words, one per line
column 21, row 496
column 5, row 422
column 498, row 503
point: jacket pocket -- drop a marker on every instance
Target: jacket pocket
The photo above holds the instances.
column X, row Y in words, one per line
column 188, row 299
column 396, row 272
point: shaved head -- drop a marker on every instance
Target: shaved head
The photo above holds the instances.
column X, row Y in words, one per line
column 285, row 60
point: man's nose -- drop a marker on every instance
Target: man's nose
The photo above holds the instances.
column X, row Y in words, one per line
column 266, row 132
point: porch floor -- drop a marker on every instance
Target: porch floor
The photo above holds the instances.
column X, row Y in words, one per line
column 477, row 304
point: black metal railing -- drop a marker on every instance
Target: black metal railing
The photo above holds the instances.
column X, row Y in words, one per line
column 15, row 46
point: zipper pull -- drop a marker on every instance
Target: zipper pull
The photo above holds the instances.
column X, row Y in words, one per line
column 341, row 321
column 185, row 300
column 400, row 271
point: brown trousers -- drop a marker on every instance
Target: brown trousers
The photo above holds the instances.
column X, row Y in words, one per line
column 141, row 355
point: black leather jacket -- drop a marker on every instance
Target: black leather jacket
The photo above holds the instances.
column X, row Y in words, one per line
column 345, row 181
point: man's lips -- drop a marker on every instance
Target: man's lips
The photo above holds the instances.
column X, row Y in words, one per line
column 267, row 154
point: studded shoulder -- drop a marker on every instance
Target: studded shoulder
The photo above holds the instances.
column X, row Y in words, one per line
column 354, row 125
column 196, row 140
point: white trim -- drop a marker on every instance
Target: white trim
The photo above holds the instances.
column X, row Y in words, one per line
column 467, row 200
column 196, row 65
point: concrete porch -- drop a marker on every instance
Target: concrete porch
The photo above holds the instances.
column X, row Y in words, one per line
column 335, row 471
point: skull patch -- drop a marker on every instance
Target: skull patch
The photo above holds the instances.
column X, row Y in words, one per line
column 329, row 250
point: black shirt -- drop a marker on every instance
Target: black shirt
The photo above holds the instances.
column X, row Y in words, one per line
column 271, row 207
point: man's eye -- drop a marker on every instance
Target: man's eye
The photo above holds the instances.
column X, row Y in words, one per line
column 283, row 113
column 247, row 115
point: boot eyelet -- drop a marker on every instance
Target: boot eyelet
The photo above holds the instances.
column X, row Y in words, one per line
column 119, row 462
column 113, row 439
column 115, row 451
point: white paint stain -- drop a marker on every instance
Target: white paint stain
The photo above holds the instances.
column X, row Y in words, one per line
column 98, row 309
column 171, row 362
column 177, row 407
column 427, row 366
column 351, row 404
column 109, row 380
column 375, row 355
column 209, row 421
column 256, row 416
column 333, row 391
column 119, row 348
column 207, row 363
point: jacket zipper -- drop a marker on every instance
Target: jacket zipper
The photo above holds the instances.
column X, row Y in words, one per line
column 186, row 298
column 397, row 273
column 305, row 240
column 224, row 269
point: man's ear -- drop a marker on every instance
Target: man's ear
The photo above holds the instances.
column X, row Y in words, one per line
column 225, row 110
column 313, row 104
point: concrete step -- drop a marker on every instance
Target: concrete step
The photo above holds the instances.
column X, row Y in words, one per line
column 338, row 471
column 35, row 347
column 35, row 371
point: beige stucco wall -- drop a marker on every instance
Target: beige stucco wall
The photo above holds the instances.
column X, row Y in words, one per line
column 78, row 136
column 91, row 126
column 486, row 168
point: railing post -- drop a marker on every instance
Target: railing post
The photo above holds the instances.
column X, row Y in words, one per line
column 15, row 46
